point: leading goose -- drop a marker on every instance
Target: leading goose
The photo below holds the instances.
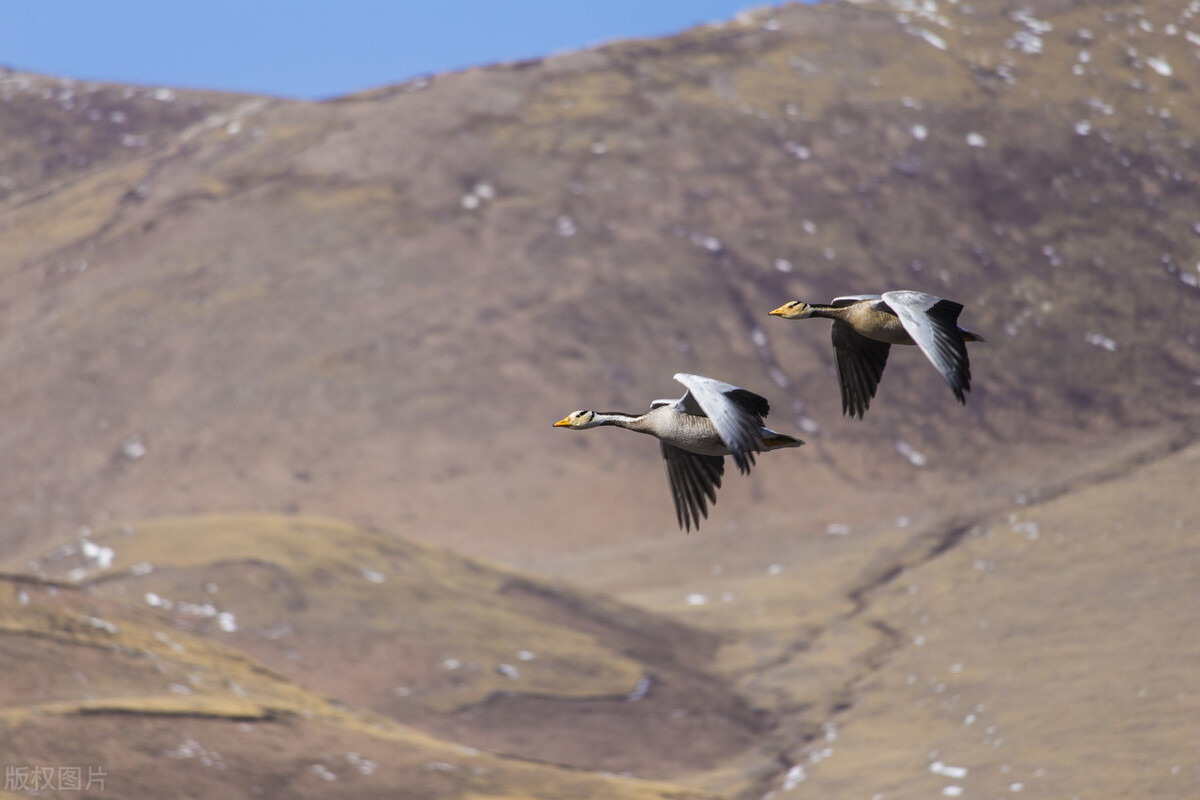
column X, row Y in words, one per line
column 865, row 326
column 713, row 419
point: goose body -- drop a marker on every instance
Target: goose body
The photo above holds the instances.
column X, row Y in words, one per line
column 865, row 326
column 712, row 420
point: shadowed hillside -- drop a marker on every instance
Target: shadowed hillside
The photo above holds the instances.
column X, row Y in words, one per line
column 372, row 309
column 423, row 636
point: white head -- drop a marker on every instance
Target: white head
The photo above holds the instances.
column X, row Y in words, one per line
column 578, row 420
column 793, row 310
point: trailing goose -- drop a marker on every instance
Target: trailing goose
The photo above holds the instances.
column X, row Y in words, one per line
column 865, row 326
column 713, row 419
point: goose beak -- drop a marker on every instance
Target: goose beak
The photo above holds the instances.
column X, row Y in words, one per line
column 779, row 312
column 563, row 422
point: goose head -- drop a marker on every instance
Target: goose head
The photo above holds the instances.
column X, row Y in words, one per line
column 793, row 310
column 578, row 420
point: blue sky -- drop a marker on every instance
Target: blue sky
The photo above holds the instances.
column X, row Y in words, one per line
column 317, row 48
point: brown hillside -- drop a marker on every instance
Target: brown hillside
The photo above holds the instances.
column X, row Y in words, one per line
column 372, row 309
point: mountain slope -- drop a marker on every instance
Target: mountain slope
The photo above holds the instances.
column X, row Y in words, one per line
column 467, row 651
column 372, row 307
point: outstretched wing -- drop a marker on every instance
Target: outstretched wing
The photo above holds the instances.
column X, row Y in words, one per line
column 851, row 299
column 860, row 362
column 736, row 413
column 694, row 480
column 932, row 322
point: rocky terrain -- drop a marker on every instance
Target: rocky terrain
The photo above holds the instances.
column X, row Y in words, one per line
column 283, row 513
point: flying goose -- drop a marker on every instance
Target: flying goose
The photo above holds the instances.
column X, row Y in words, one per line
column 865, row 326
column 713, row 419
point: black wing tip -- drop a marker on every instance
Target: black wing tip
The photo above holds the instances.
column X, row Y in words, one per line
column 751, row 401
column 744, row 460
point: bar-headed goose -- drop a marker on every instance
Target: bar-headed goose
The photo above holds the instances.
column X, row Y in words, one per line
column 865, row 326
column 713, row 419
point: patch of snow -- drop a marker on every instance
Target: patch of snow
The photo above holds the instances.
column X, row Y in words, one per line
column 931, row 38
column 198, row 609
column 919, row 132
column 1159, row 65
column 794, row 777
column 175, row 646
column 640, row 690
column 915, row 457
column 227, row 622
column 451, row 663
column 798, row 150
column 1099, row 340
column 134, row 448
column 939, row 768
column 508, row 671
column 976, row 139
column 102, row 624
column 103, row 556
column 1026, row 41
column 837, row 529
column 1026, row 18
column 373, row 576
column 565, row 226
column 783, row 265
column 696, row 599
column 365, row 766
column 1029, row 529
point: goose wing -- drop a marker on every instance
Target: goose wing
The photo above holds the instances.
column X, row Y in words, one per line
column 736, row 413
column 860, row 362
column 932, row 322
column 851, row 299
column 694, row 480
